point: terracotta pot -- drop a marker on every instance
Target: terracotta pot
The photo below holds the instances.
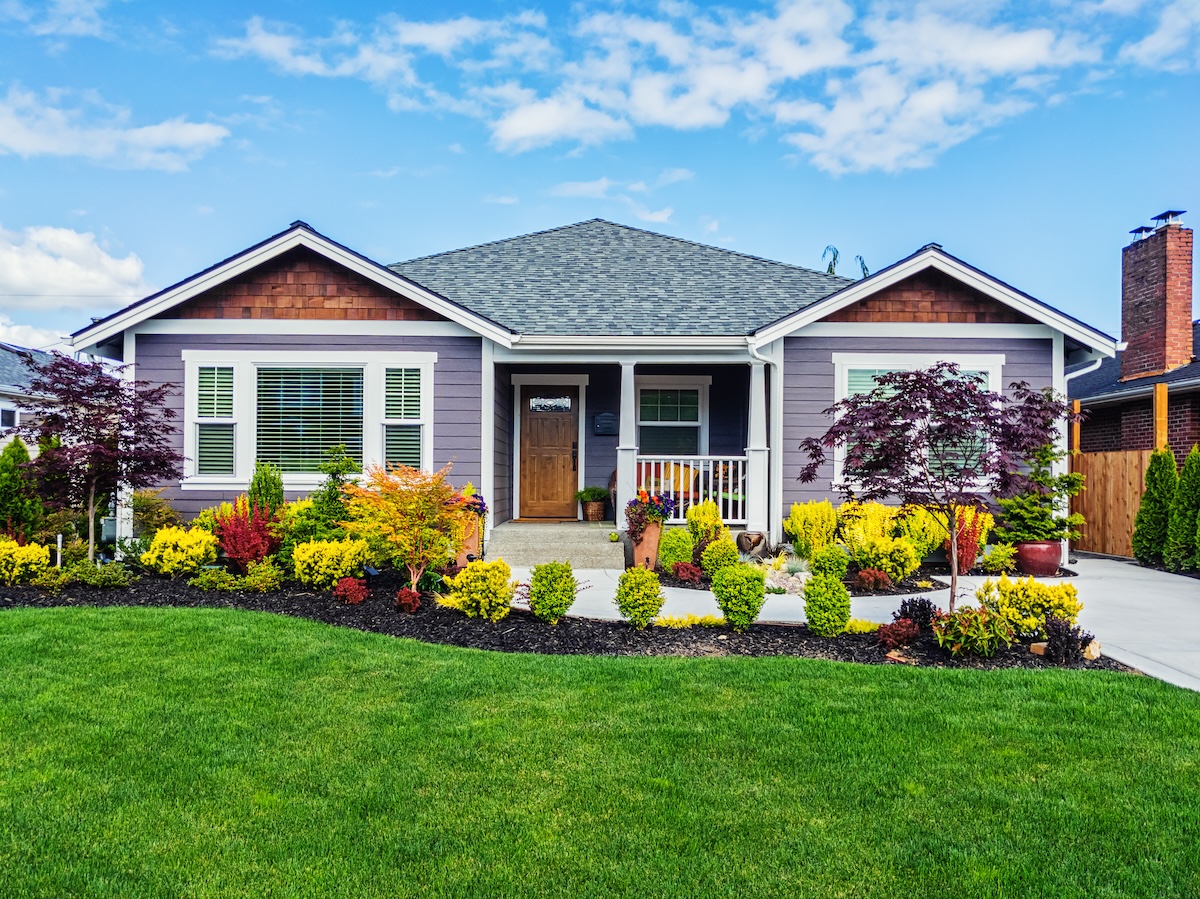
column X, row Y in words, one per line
column 471, row 539
column 593, row 510
column 1039, row 559
column 645, row 549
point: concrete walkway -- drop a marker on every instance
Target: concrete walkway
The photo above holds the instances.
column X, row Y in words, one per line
column 1146, row 619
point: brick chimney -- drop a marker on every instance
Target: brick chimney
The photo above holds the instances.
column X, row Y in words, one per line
column 1156, row 298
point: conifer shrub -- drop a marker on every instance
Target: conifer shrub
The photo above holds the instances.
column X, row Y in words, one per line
column 811, row 527
column 174, row 551
column 740, row 591
column 21, row 564
column 266, row 488
column 675, row 545
column 826, row 605
column 861, row 626
column 322, row 563
column 1001, row 560
column 20, row 507
column 552, row 589
column 483, row 590
column 639, row 596
column 1184, row 521
column 151, row 512
column 1154, row 514
column 719, row 554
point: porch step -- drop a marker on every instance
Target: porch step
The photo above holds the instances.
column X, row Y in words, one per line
column 584, row 544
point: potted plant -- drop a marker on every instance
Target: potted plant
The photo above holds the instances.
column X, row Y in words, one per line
column 475, row 512
column 1032, row 519
column 592, row 499
column 644, row 515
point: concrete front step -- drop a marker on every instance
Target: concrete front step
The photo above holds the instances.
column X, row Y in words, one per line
column 583, row 544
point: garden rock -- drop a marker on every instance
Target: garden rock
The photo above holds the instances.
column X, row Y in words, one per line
column 1038, row 649
column 1092, row 651
column 788, row 583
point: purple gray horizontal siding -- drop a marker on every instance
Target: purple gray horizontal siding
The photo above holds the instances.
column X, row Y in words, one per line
column 457, row 408
column 808, row 388
column 501, row 503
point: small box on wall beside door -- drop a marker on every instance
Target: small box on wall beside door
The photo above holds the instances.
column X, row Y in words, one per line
column 606, row 425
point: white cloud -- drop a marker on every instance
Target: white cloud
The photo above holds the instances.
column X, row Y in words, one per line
column 1175, row 41
column 591, row 190
column 58, row 18
column 30, row 336
column 48, row 269
column 33, row 126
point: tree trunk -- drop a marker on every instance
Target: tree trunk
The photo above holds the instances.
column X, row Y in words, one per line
column 91, row 522
column 953, row 554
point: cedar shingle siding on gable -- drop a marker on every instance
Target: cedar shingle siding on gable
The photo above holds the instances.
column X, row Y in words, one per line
column 930, row 297
column 303, row 285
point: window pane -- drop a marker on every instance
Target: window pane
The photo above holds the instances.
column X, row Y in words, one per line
column 862, row 380
column 402, row 445
column 8, row 418
column 402, row 397
column 215, row 395
column 549, row 404
column 302, row 412
column 214, row 449
column 670, row 405
column 670, row 441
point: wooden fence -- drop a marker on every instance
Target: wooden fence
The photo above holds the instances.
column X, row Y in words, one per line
column 1111, row 495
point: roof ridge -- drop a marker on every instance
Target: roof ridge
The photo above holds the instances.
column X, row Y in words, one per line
column 492, row 243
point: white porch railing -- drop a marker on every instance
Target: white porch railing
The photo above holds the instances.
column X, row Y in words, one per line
column 693, row 479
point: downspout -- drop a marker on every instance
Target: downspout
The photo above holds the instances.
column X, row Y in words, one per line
column 775, row 441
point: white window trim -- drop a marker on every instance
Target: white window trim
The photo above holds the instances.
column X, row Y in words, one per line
column 245, row 364
column 700, row 383
column 843, row 363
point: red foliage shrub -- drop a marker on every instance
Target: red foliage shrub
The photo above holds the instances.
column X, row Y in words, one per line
column 873, row 579
column 968, row 544
column 351, row 590
column 408, row 600
column 687, row 572
column 247, row 534
column 900, row 632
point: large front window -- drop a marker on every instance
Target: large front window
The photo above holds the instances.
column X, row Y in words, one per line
column 301, row 412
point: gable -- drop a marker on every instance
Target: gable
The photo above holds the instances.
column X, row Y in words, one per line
column 301, row 284
column 930, row 296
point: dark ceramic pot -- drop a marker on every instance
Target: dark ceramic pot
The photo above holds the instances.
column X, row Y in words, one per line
column 1039, row 559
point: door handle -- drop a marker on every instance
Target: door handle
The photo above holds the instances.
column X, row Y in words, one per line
column 575, row 456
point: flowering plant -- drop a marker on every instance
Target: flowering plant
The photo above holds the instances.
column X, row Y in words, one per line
column 647, row 507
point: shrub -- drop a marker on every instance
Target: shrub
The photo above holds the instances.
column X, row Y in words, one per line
column 1001, row 560
column 974, row 525
column 20, row 564
column 919, row 610
column 215, row 578
column 899, row 633
column 687, row 572
column 639, row 596
column 1024, row 604
column 1154, row 514
column 704, row 522
column 20, row 506
column 831, row 561
column 113, row 576
column 811, row 527
column 266, row 488
column 322, row 563
column 483, row 590
column 719, row 554
column 206, row 519
column 1184, row 521
column 740, row 592
column 552, row 590
column 861, row 626
column 1065, row 642
column 873, row 579
column 351, row 590
column 261, row 577
column 826, row 605
column 894, row 556
column 52, row 580
column 972, row 630
column 675, row 545
column 151, row 512
column 174, row 551
column 408, row 600
column 863, row 522
column 680, row 622
column 920, row 528
column 247, row 532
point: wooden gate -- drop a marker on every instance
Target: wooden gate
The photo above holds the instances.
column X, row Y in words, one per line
column 1112, row 492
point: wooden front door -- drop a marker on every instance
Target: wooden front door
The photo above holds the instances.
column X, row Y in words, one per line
column 549, row 451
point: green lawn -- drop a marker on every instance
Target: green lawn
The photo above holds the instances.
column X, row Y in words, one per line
column 223, row 753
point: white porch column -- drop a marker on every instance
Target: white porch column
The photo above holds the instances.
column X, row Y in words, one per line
column 626, row 444
column 757, row 488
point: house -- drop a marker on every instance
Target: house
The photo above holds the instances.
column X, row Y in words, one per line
column 15, row 376
column 547, row 362
column 1159, row 340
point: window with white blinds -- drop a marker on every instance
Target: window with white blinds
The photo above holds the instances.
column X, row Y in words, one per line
column 216, row 447
column 402, row 428
column 302, row 412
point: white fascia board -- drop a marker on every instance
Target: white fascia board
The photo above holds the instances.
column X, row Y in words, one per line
column 932, row 259
column 658, row 342
column 299, row 237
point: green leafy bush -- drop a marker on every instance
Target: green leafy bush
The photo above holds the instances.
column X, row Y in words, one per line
column 1184, row 521
column 52, row 580
column 740, row 592
column 322, row 563
column 977, row 631
column 826, row 605
column 151, row 513
column 894, row 556
column 21, row 564
column 215, row 578
column 261, row 577
column 552, row 590
column 831, row 561
column 811, row 527
column 113, row 576
column 675, row 545
column 719, row 554
column 639, row 596
column 1001, row 560
column 266, row 488
column 174, row 551
column 1025, row 604
column 483, row 590
column 1154, row 513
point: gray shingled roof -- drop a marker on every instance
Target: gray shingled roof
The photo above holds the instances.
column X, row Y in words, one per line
column 13, row 369
column 597, row 277
column 1106, row 379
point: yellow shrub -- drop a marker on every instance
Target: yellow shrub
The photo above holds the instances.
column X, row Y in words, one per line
column 322, row 563
column 483, row 590
column 20, row 564
column 861, row 626
column 917, row 525
column 174, row 551
column 894, row 556
column 811, row 527
column 969, row 515
column 704, row 522
column 1024, row 604
column 680, row 622
column 206, row 519
column 861, row 523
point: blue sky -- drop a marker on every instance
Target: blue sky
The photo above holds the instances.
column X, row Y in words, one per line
column 141, row 142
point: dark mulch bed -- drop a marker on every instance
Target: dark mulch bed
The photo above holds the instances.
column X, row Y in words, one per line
column 906, row 587
column 520, row 631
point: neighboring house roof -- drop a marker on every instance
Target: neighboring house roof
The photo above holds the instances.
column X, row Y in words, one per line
column 598, row 277
column 15, row 373
column 1106, row 381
